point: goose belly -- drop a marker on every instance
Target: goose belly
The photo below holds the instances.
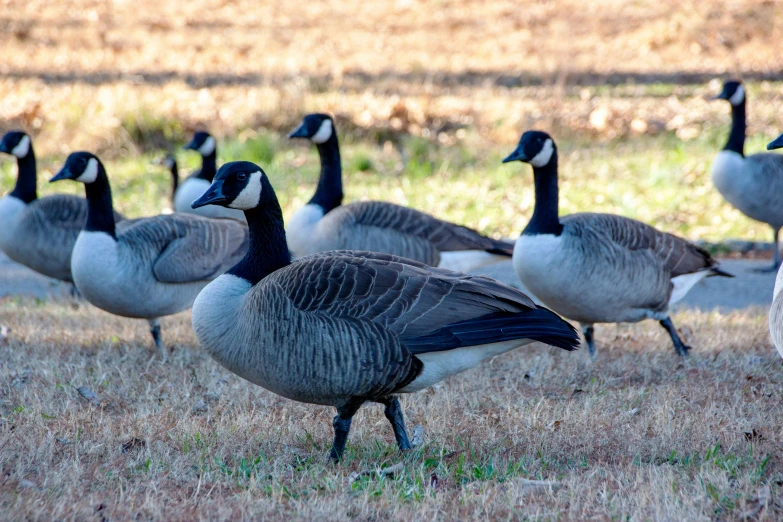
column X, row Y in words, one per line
column 194, row 188
column 118, row 280
column 265, row 340
column 584, row 287
column 466, row 260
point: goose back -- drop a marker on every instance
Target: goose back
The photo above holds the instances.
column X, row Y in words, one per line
column 385, row 227
column 157, row 265
column 339, row 325
column 608, row 268
column 41, row 234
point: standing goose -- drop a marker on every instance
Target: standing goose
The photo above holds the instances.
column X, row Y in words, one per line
column 325, row 224
column 343, row 328
column 38, row 233
column 752, row 184
column 776, row 312
column 600, row 268
column 198, row 182
column 152, row 267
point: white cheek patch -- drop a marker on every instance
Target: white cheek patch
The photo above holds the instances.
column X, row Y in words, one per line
column 543, row 157
column 22, row 148
column 90, row 173
column 208, row 147
column 324, row 132
column 250, row 195
column 738, row 96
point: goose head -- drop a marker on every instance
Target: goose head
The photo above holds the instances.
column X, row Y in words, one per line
column 733, row 92
column 16, row 143
column 535, row 147
column 777, row 143
column 80, row 166
column 317, row 128
column 202, row 142
column 238, row 184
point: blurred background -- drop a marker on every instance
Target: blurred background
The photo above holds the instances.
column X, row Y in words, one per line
column 428, row 97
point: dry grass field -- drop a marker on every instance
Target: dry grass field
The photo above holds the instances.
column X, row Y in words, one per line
column 636, row 435
column 428, row 96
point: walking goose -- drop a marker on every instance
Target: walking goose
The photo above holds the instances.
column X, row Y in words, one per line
column 195, row 184
column 152, row 267
column 776, row 311
column 600, row 268
column 342, row 328
column 38, row 233
column 752, row 184
column 169, row 162
column 325, row 224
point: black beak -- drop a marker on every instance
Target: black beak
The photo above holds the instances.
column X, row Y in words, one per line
column 191, row 145
column 721, row 96
column 777, row 143
column 64, row 173
column 4, row 147
column 213, row 196
column 517, row 155
column 299, row 132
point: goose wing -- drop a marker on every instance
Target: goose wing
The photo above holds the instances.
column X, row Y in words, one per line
column 428, row 309
column 445, row 236
column 196, row 248
column 676, row 254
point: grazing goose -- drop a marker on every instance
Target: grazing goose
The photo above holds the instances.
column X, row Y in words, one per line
column 342, row 328
column 776, row 312
column 38, row 233
column 377, row 226
column 195, row 184
column 169, row 162
column 152, row 267
column 600, row 268
column 752, row 184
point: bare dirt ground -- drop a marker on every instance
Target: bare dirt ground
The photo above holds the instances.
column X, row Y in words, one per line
column 93, row 428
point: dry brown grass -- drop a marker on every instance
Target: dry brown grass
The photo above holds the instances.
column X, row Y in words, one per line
column 638, row 434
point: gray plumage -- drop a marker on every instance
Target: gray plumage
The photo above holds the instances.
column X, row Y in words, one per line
column 344, row 327
column 385, row 227
column 776, row 314
column 600, row 268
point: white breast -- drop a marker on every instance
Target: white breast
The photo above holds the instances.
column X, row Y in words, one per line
column 535, row 255
column 301, row 227
column 10, row 210
column 213, row 310
column 94, row 259
column 727, row 175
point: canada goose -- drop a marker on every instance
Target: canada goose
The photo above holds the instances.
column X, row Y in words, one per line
column 169, row 162
column 752, row 184
column 345, row 327
column 600, row 268
column 38, row 233
column 195, row 184
column 776, row 311
column 325, row 224
column 153, row 267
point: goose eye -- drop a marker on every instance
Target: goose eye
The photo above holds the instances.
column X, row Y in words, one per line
column 241, row 176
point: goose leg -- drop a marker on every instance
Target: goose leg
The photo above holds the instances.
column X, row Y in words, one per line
column 342, row 425
column 775, row 254
column 682, row 349
column 155, row 331
column 393, row 413
column 75, row 294
column 588, row 330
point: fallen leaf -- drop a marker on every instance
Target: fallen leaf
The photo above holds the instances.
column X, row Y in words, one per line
column 132, row 444
column 418, row 436
column 434, row 481
column 753, row 435
column 392, row 470
column 200, row 407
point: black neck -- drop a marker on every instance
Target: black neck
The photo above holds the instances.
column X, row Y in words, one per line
column 100, row 213
column 545, row 219
column 208, row 166
column 174, row 179
column 329, row 193
column 736, row 141
column 268, row 250
column 25, row 188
